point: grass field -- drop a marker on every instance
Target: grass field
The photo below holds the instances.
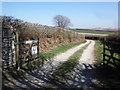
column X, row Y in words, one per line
column 92, row 31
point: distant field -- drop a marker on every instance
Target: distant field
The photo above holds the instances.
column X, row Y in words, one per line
column 92, row 31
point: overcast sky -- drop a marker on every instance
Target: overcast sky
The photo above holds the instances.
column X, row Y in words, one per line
column 81, row 14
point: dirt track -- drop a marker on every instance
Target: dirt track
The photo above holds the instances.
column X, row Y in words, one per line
column 83, row 74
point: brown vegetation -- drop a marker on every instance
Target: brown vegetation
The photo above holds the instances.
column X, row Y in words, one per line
column 50, row 37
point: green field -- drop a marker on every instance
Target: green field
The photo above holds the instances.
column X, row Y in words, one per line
column 92, row 31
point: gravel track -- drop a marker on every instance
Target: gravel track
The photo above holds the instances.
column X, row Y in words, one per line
column 84, row 74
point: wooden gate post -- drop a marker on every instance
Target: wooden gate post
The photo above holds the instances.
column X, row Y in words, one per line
column 103, row 52
column 38, row 49
column 17, row 51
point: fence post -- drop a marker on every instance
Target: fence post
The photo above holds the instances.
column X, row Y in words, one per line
column 17, row 51
column 38, row 48
column 103, row 52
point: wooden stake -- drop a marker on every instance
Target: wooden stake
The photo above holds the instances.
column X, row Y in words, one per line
column 17, row 51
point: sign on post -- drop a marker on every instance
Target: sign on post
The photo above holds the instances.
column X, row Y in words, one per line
column 28, row 51
column 34, row 50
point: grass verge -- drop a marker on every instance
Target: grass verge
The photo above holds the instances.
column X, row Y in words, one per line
column 98, row 52
column 67, row 66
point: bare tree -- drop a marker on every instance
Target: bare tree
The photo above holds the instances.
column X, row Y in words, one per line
column 62, row 21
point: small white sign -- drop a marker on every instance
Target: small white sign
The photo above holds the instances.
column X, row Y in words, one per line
column 31, row 41
column 34, row 50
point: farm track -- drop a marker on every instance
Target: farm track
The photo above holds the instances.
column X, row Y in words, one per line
column 83, row 75
column 40, row 76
